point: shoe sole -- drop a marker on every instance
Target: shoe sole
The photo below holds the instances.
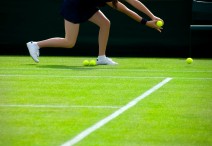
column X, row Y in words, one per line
column 106, row 64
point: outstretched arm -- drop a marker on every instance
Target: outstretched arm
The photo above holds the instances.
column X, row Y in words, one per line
column 142, row 8
column 122, row 8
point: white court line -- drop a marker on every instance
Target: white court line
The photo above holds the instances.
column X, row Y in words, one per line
column 68, row 76
column 55, row 106
column 104, row 121
column 111, row 69
column 116, row 77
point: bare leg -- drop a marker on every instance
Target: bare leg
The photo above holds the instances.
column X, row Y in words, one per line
column 101, row 20
column 71, row 33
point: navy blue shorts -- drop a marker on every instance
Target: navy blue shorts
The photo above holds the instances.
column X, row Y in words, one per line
column 78, row 11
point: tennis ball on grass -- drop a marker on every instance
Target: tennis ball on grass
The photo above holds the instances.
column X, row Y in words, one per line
column 159, row 23
column 189, row 60
column 85, row 63
column 92, row 63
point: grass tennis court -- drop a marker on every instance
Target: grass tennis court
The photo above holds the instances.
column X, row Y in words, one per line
column 49, row 103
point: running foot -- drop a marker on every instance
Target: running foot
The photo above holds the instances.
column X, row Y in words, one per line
column 33, row 51
column 106, row 61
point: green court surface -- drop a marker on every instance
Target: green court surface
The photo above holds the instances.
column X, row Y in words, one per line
column 55, row 101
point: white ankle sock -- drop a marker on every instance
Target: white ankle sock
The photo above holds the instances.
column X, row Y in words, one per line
column 101, row 57
column 36, row 44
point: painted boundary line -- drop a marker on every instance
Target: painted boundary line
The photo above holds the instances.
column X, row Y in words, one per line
column 56, row 106
column 66, row 76
column 116, row 77
column 104, row 121
column 111, row 69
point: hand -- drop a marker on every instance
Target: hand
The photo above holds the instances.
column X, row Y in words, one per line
column 152, row 24
column 156, row 18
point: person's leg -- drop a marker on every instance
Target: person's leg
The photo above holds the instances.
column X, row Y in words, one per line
column 71, row 33
column 104, row 29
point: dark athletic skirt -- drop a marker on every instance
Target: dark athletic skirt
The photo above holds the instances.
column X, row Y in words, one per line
column 78, row 11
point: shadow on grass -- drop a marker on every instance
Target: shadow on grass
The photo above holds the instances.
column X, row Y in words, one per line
column 32, row 64
column 65, row 67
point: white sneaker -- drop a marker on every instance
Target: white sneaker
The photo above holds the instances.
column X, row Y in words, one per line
column 33, row 50
column 106, row 61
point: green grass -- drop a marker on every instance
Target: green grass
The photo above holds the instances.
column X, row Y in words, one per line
column 49, row 103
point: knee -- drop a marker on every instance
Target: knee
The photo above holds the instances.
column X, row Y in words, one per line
column 107, row 23
column 69, row 44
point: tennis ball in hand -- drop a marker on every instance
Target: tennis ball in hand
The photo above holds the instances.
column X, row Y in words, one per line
column 85, row 63
column 189, row 60
column 92, row 63
column 159, row 23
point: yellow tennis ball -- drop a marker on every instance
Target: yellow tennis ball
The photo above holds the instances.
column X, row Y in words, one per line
column 189, row 60
column 159, row 23
column 92, row 63
column 85, row 63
